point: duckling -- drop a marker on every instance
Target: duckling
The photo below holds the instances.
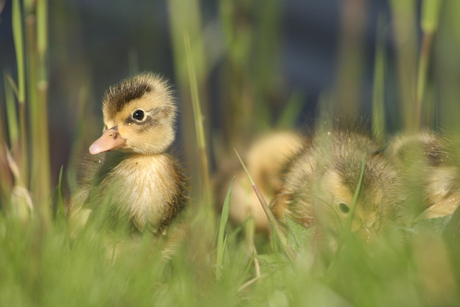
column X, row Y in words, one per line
column 321, row 180
column 431, row 174
column 131, row 182
column 264, row 160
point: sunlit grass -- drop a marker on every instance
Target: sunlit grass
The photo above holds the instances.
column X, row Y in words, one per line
column 41, row 266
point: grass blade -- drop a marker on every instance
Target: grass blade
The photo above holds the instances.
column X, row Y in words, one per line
column 406, row 48
column 378, row 88
column 429, row 25
column 11, row 113
column 277, row 229
column 355, row 197
column 60, row 209
column 19, row 46
column 198, row 119
column 221, row 241
column 18, row 36
column 430, row 15
column 42, row 29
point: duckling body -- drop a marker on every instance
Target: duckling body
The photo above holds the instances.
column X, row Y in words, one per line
column 138, row 186
column 431, row 175
column 264, row 160
column 321, row 180
column 146, row 190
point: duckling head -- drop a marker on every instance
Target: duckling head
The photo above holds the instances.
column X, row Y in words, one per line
column 139, row 116
column 337, row 209
column 379, row 199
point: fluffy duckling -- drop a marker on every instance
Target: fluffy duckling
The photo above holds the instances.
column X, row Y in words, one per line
column 264, row 160
column 320, row 182
column 139, row 186
column 431, row 174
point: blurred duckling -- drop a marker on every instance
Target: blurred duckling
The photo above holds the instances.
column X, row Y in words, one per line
column 264, row 160
column 321, row 180
column 139, row 187
column 431, row 174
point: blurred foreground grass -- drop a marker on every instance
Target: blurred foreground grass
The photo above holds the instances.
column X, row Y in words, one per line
column 416, row 267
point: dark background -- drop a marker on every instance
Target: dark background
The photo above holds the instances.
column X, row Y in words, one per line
column 94, row 44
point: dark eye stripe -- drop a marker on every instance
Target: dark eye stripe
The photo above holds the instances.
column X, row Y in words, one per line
column 148, row 121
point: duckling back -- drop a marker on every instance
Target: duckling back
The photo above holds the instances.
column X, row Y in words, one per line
column 429, row 165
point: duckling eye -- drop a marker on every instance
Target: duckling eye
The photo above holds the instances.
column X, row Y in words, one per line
column 138, row 115
column 344, row 208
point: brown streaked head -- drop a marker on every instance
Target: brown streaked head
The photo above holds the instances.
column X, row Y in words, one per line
column 139, row 115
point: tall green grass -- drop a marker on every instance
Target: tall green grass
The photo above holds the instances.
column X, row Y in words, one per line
column 26, row 147
column 40, row 265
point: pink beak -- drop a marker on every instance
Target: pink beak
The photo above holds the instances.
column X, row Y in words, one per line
column 109, row 140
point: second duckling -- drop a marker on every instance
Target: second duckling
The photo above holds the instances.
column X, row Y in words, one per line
column 264, row 159
column 321, row 180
